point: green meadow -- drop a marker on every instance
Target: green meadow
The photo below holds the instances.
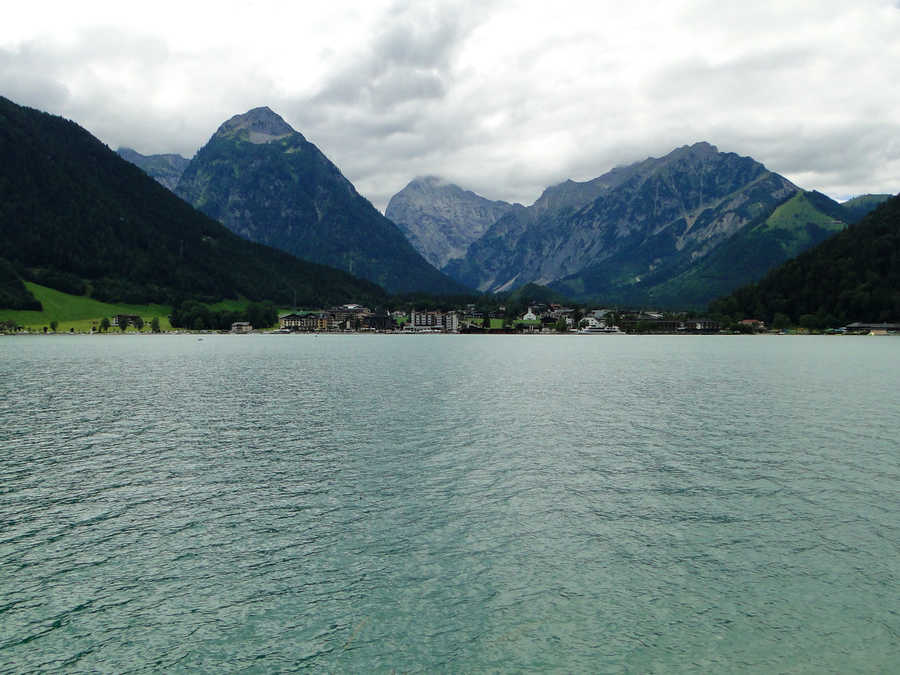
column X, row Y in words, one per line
column 79, row 312
column 82, row 313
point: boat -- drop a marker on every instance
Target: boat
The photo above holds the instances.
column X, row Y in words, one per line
column 601, row 330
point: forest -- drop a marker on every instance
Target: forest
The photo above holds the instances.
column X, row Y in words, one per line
column 853, row 276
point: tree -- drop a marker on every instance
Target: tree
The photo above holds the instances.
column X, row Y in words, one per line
column 561, row 325
column 154, row 325
column 138, row 323
column 810, row 322
column 781, row 321
column 261, row 315
column 104, row 324
column 53, row 325
column 123, row 323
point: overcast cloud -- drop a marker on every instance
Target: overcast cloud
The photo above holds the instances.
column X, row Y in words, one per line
column 503, row 97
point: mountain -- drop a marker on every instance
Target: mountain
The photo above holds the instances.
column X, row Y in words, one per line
column 853, row 276
column 804, row 220
column 608, row 237
column 860, row 206
column 441, row 219
column 266, row 182
column 76, row 216
column 166, row 169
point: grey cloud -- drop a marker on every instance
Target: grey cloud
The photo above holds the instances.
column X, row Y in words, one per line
column 416, row 97
column 39, row 92
column 409, row 60
column 753, row 79
column 25, row 80
column 119, row 107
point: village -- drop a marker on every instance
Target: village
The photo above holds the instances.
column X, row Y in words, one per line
column 539, row 318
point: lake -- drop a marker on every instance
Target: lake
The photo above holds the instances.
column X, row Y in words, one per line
column 354, row 503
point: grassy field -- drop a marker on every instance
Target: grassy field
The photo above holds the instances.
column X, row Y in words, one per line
column 794, row 215
column 79, row 312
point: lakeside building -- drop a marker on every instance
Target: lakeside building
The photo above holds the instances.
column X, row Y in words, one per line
column 872, row 328
column 348, row 316
column 130, row 319
column 654, row 322
column 241, row 327
column 345, row 317
column 702, row 326
column 303, row 321
column 434, row 320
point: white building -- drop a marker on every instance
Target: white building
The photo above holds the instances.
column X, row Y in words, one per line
column 448, row 322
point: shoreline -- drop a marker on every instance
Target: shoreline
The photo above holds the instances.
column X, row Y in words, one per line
column 433, row 333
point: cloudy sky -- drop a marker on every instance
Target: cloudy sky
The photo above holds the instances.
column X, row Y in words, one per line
column 501, row 97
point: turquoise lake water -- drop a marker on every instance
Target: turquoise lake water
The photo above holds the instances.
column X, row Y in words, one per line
column 440, row 503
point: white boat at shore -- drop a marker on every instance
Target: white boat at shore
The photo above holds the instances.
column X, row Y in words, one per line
column 601, row 330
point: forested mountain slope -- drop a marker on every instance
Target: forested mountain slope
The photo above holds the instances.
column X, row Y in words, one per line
column 76, row 216
column 853, row 276
column 266, row 182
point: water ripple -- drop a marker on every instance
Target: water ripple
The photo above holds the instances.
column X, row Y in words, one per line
column 282, row 503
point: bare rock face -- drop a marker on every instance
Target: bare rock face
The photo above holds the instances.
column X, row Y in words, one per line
column 264, row 181
column 648, row 220
column 166, row 169
column 260, row 125
column 441, row 219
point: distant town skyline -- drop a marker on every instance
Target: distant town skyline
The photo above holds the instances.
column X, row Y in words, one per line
column 503, row 98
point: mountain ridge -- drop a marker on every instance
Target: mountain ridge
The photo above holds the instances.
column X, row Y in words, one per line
column 77, row 215
column 166, row 168
column 633, row 219
column 851, row 276
column 441, row 219
column 266, row 182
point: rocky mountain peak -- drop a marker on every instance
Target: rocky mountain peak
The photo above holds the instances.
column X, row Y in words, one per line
column 268, row 184
column 634, row 224
column 262, row 125
column 702, row 148
column 440, row 219
column 429, row 182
